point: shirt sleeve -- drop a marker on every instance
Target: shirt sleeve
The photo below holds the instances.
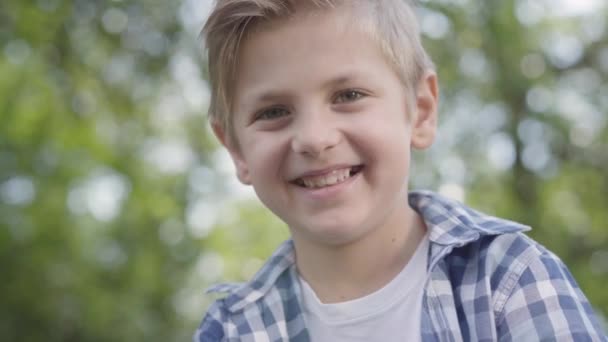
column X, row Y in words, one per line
column 546, row 304
column 211, row 328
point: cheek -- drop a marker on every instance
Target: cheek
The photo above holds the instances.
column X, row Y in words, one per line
column 387, row 146
column 264, row 157
column 383, row 133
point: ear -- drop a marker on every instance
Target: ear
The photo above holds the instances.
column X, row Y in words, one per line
column 424, row 125
column 242, row 170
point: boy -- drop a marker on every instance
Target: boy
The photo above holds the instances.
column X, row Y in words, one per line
column 319, row 103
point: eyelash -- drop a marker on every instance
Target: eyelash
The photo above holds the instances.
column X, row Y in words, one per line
column 263, row 114
column 357, row 93
column 339, row 99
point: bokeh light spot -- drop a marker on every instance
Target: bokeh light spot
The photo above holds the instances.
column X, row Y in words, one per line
column 18, row 190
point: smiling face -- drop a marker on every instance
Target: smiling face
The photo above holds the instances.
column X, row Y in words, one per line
column 323, row 128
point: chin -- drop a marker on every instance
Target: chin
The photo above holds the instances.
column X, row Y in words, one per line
column 335, row 234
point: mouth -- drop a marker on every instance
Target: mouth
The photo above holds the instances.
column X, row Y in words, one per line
column 328, row 179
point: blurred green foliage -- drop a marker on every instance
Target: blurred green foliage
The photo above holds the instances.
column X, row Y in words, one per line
column 117, row 209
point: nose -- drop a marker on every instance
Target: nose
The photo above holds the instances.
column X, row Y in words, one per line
column 314, row 134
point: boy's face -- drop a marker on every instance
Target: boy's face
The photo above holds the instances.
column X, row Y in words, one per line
column 323, row 127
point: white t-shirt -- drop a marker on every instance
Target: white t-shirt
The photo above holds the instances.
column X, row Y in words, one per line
column 392, row 313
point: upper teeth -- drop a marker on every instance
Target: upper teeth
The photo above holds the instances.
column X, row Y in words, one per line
column 332, row 178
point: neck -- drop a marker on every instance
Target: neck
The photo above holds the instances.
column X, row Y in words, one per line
column 355, row 269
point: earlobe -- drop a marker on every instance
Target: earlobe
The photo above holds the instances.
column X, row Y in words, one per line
column 424, row 125
column 242, row 170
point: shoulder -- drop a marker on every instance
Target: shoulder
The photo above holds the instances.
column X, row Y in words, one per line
column 250, row 308
column 217, row 319
column 275, row 275
column 535, row 297
column 542, row 300
column 531, row 293
column 213, row 326
column 247, row 313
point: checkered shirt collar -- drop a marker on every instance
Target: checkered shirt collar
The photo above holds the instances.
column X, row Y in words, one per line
column 451, row 225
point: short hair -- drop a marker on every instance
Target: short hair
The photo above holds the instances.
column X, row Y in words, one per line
column 391, row 23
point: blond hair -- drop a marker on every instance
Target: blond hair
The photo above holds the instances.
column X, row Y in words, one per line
column 391, row 23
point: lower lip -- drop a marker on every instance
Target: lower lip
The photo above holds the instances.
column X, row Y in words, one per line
column 328, row 192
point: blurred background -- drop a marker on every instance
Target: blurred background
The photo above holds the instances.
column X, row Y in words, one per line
column 117, row 208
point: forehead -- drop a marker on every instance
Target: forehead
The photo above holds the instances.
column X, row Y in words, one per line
column 310, row 44
column 300, row 25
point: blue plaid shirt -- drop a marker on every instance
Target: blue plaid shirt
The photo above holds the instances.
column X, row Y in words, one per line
column 488, row 282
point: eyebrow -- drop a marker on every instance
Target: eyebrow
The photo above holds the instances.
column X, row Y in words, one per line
column 277, row 95
column 345, row 77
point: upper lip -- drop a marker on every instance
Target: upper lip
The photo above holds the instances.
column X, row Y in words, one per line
column 324, row 171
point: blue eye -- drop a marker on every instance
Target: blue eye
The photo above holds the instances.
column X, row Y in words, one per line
column 350, row 95
column 271, row 113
